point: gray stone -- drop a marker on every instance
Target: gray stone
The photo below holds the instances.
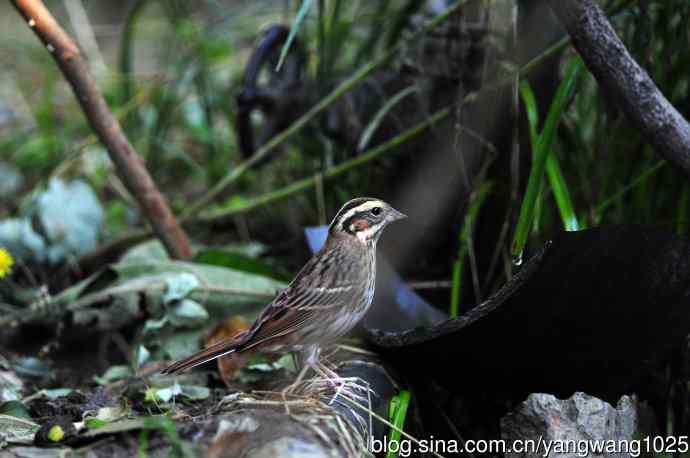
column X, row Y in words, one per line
column 570, row 428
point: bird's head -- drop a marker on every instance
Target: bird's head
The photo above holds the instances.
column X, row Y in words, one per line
column 364, row 218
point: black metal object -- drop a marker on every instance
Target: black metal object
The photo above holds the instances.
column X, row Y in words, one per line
column 599, row 311
column 279, row 98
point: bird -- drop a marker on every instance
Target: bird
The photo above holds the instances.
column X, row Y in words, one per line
column 325, row 300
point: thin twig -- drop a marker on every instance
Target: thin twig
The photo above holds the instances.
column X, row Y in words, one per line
column 332, row 172
column 129, row 164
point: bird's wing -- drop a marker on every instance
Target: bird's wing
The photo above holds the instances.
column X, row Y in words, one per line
column 296, row 306
column 316, row 290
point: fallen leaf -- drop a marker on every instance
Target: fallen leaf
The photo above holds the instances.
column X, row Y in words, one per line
column 115, row 427
column 32, row 367
column 187, row 313
column 15, row 430
column 179, row 286
column 229, row 444
column 229, row 329
column 162, row 394
column 10, row 386
column 15, row 409
column 114, row 373
column 232, row 437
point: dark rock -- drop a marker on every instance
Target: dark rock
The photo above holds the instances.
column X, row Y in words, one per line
column 569, row 428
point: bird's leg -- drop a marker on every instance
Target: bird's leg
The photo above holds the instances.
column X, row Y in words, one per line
column 309, row 362
column 346, row 386
column 342, row 386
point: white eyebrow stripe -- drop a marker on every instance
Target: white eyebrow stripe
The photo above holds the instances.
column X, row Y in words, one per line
column 358, row 209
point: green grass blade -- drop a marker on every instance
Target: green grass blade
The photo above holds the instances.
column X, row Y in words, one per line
column 456, row 278
column 233, row 207
column 563, row 94
column 561, row 194
column 370, row 130
column 603, row 206
column 397, row 413
column 553, row 168
column 532, row 110
column 476, row 201
column 301, row 15
column 125, row 59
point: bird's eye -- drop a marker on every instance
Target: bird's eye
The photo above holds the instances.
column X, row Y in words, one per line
column 376, row 211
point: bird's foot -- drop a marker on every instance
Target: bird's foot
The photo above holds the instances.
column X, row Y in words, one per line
column 348, row 387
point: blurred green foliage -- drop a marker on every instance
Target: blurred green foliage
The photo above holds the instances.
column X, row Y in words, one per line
column 178, row 67
column 179, row 110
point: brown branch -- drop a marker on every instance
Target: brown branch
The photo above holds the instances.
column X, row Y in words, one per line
column 629, row 84
column 130, row 166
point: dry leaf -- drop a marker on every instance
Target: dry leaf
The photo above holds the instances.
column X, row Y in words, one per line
column 228, row 330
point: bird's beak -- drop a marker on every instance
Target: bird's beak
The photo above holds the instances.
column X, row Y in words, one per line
column 396, row 215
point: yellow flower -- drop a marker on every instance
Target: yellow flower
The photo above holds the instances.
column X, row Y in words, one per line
column 6, row 262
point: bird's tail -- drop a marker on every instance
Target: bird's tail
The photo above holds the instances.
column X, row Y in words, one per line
column 217, row 350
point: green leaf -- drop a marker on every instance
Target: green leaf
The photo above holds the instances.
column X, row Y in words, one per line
column 476, row 201
column 544, row 145
column 71, row 217
column 146, row 251
column 169, row 427
column 18, row 430
column 561, row 194
column 32, row 367
column 179, row 286
column 99, row 428
column 376, row 120
column 125, row 284
column 105, row 415
column 114, row 373
column 397, row 413
column 237, row 261
column 195, row 393
column 301, row 14
column 163, row 394
column 553, row 169
column 178, row 344
column 54, row 393
column 10, row 386
column 237, row 203
column 95, row 423
column 606, row 203
column 532, row 110
column 187, row 313
column 15, row 409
